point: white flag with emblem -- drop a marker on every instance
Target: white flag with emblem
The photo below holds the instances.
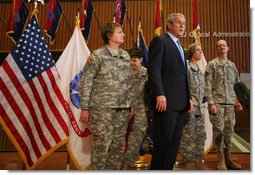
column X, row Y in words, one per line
column 70, row 66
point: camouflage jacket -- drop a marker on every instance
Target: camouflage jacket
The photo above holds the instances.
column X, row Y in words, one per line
column 219, row 82
column 106, row 81
column 196, row 87
column 140, row 94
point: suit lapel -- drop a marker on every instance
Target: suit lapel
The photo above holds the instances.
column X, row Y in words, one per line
column 176, row 50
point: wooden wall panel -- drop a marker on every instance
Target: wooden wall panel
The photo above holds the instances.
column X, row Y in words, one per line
column 216, row 16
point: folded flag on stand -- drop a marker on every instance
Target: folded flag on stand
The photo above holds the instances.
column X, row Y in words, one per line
column 119, row 12
column 70, row 67
column 32, row 107
column 17, row 19
column 53, row 17
column 86, row 17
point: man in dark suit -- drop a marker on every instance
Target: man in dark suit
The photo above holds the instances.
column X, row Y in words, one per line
column 167, row 71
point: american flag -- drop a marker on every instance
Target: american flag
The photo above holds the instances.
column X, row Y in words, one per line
column 32, row 107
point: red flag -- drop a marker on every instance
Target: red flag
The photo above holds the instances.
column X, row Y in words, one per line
column 53, row 17
column 32, row 107
column 196, row 28
column 158, row 22
column 17, row 19
column 85, row 17
column 119, row 12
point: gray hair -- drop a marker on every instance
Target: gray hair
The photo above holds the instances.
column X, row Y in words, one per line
column 170, row 18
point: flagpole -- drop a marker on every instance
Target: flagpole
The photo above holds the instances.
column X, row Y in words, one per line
column 94, row 12
column 130, row 27
column 70, row 30
column 68, row 160
column 162, row 19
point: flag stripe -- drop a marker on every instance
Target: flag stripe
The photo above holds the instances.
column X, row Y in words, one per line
column 50, row 102
column 44, row 115
column 28, row 103
column 13, row 116
column 47, row 107
column 20, row 130
column 8, row 96
column 16, row 134
column 60, row 98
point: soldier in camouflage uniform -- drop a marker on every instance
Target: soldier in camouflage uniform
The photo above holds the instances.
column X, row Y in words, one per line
column 139, row 123
column 194, row 134
column 220, row 76
column 105, row 99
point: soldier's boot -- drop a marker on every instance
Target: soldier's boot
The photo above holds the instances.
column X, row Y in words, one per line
column 125, row 166
column 231, row 164
column 221, row 161
column 200, row 164
column 190, row 166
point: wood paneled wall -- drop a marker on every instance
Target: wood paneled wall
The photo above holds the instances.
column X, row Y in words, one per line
column 217, row 17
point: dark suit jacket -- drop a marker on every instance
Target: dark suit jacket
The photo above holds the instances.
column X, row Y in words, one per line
column 167, row 74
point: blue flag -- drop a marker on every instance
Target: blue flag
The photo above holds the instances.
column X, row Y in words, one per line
column 17, row 19
column 53, row 17
column 142, row 44
column 85, row 17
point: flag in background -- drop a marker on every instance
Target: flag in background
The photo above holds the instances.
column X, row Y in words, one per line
column 119, row 12
column 70, row 67
column 196, row 34
column 158, row 22
column 196, row 28
column 32, row 107
column 202, row 65
column 17, row 19
column 52, row 21
column 85, row 17
column 142, row 44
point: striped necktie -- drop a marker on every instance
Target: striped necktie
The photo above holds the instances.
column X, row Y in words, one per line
column 181, row 51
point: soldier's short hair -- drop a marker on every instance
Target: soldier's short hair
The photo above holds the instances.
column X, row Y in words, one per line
column 136, row 52
column 108, row 30
column 191, row 50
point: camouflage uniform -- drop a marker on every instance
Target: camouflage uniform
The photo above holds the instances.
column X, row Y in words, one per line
column 105, row 91
column 194, row 134
column 139, row 123
column 219, row 88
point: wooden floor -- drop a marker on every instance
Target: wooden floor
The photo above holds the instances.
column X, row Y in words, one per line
column 58, row 161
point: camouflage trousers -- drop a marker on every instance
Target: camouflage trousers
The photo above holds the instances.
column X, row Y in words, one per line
column 138, row 126
column 223, row 126
column 109, row 128
column 193, row 138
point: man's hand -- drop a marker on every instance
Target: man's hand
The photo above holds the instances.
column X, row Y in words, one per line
column 161, row 103
column 191, row 106
column 213, row 109
column 239, row 107
column 84, row 118
column 131, row 112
